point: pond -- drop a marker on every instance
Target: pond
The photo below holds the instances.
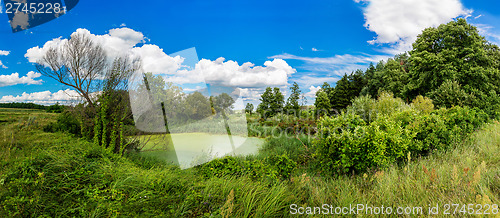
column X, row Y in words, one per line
column 191, row 149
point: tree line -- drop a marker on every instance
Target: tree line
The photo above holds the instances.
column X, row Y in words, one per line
column 451, row 64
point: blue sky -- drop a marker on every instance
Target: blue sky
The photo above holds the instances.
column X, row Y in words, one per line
column 317, row 41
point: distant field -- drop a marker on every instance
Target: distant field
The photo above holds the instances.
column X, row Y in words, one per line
column 9, row 115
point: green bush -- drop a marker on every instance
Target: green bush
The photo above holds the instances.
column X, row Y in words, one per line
column 431, row 133
column 346, row 143
column 422, row 104
column 66, row 122
column 387, row 104
column 283, row 164
column 464, row 118
column 364, row 106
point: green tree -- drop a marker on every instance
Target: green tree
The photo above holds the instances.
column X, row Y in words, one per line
column 341, row 93
column 249, row 108
column 277, row 102
column 197, row 106
column 223, row 102
column 265, row 103
column 322, row 103
column 453, row 52
column 292, row 104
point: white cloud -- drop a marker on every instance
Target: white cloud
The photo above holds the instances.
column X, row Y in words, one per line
column 312, row 92
column 116, row 43
column 230, row 73
column 156, row 61
column 3, row 53
column 314, row 49
column 251, row 94
column 46, row 97
column 489, row 32
column 399, row 22
column 14, row 79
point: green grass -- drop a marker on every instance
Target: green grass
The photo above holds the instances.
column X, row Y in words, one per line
column 55, row 174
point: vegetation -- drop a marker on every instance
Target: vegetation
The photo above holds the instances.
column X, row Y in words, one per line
column 417, row 130
column 54, row 174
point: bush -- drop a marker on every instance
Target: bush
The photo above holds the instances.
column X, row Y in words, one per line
column 283, row 164
column 422, row 104
column 465, row 119
column 430, row 133
column 56, row 108
column 66, row 122
column 387, row 104
column 346, row 143
column 364, row 106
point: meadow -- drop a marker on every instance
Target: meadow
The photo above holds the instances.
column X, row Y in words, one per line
column 416, row 135
column 55, row 174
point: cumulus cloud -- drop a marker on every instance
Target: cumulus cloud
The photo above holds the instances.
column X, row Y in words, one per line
column 399, row 22
column 14, row 79
column 312, row 91
column 156, row 61
column 230, row 73
column 3, row 53
column 116, row 43
column 220, row 72
column 46, row 97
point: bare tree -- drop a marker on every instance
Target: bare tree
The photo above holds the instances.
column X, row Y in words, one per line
column 79, row 63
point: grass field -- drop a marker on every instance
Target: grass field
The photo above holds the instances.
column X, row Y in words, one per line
column 55, row 174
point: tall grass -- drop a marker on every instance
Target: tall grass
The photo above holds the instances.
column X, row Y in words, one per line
column 55, row 174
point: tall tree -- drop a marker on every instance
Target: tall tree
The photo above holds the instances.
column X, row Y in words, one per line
column 292, row 103
column 265, row 103
column 341, row 93
column 278, row 101
column 322, row 103
column 249, row 108
column 79, row 63
column 454, row 52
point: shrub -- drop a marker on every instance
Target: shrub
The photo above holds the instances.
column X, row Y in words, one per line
column 283, row 164
column 347, row 143
column 422, row 104
column 464, row 118
column 387, row 104
column 430, row 133
column 364, row 106
column 66, row 122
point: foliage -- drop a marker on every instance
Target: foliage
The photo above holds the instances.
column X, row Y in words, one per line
column 347, row 143
column 322, row 103
column 272, row 101
column 22, row 105
column 56, row 108
column 66, row 122
column 283, row 164
column 292, row 103
column 449, row 94
column 375, row 133
column 54, row 174
column 453, row 63
column 249, row 108
column 422, row 104
column 363, row 106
